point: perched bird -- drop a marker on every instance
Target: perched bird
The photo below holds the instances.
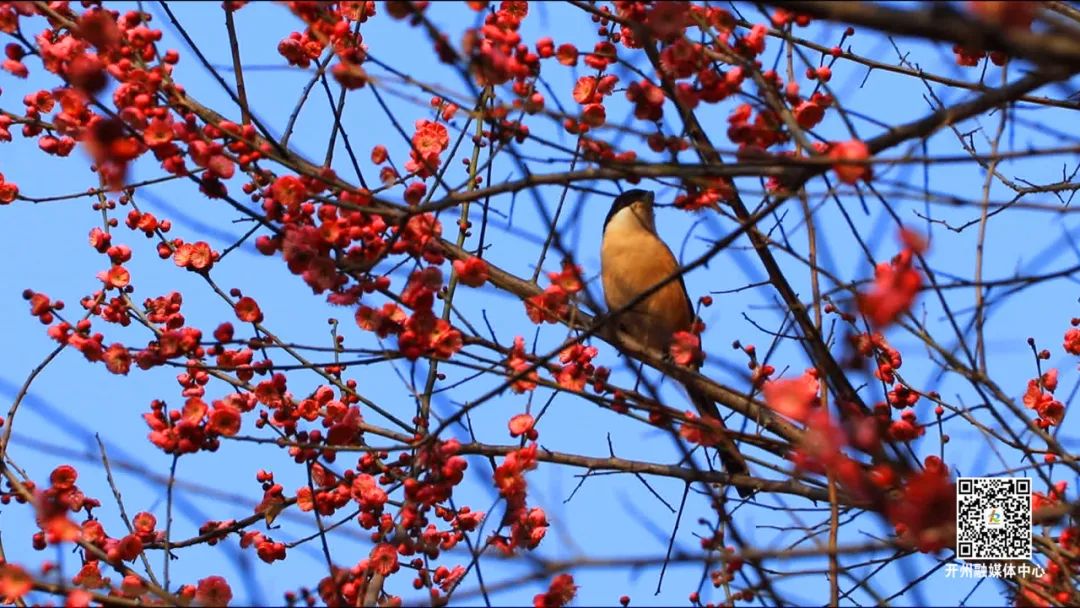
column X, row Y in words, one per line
column 633, row 259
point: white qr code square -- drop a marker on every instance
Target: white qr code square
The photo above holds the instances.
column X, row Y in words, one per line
column 993, row 518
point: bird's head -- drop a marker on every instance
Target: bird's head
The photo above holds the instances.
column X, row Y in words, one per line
column 633, row 208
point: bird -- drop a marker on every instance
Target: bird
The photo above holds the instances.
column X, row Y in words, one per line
column 633, row 260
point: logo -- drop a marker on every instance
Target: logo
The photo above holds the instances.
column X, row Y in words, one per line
column 994, row 517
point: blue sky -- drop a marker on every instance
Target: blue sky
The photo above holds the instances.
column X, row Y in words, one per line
column 44, row 247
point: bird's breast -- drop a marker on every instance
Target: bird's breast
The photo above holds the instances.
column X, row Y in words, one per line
column 633, row 261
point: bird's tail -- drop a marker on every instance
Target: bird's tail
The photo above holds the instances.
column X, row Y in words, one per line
column 730, row 457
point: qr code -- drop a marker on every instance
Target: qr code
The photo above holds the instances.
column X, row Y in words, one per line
column 993, row 518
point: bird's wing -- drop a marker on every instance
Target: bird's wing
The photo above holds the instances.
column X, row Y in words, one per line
column 686, row 295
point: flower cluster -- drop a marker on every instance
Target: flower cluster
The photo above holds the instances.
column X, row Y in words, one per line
column 527, row 526
column 517, row 363
column 8, row 190
column 757, row 136
column 874, row 345
column 266, row 547
column 577, row 367
column 420, row 238
column 590, row 92
column 41, row 306
column 849, row 161
column 685, row 349
column 424, row 333
column 1008, row 16
column 822, row 450
column 428, row 142
column 923, row 512
column 760, row 373
column 1072, row 338
column 494, row 51
column 703, row 430
column 212, row 591
column 560, row 592
column 335, row 26
column 793, row 397
column 198, row 425
column 554, row 303
column 896, row 284
column 906, row 428
column 443, row 470
column 1040, row 397
column 54, row 504
column 472, row 271
column 711, row 192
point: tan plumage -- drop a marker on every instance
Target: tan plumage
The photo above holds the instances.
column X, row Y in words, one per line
column 633, row 259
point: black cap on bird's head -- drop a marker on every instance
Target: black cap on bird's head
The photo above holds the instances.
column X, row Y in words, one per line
column 636, row 197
